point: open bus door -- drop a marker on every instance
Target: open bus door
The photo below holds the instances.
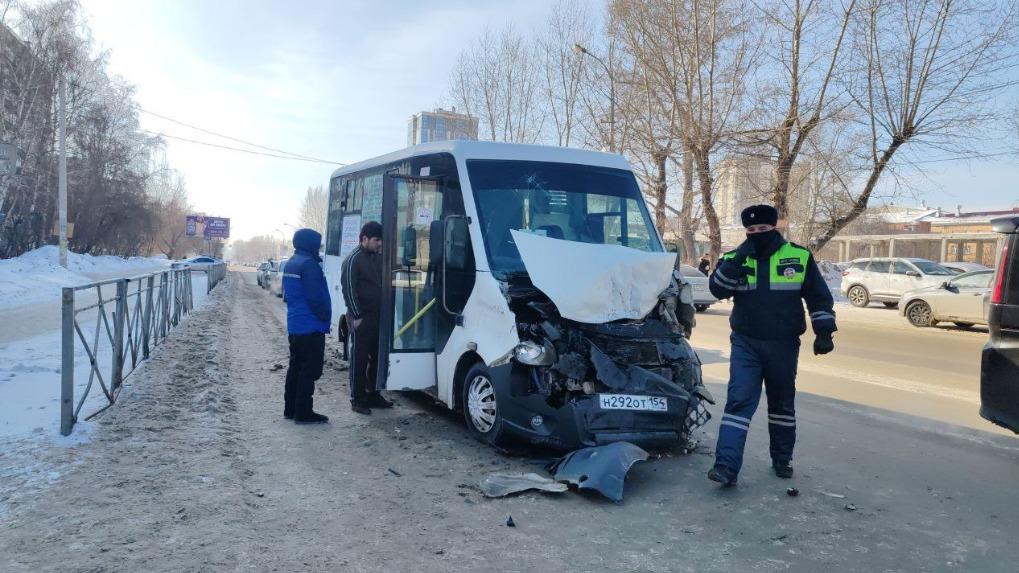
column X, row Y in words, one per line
column 411, row 261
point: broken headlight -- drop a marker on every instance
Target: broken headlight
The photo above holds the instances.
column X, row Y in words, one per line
column 534, row 354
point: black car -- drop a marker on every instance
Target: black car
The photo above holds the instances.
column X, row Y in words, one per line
column 999, row 365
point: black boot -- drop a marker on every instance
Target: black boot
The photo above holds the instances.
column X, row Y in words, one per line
column 360, row 408
column 377, row 400
column 312, row 418
column 782, row 469
column 723, row 476
column 288, row 414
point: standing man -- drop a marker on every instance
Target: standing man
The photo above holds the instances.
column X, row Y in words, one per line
column 767, row 277
column 309, row 312
column 361, row 280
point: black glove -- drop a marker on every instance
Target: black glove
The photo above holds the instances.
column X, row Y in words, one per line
column 823, row 343
column 745, row 250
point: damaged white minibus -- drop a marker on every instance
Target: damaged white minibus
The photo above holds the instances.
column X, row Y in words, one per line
column 528, row 288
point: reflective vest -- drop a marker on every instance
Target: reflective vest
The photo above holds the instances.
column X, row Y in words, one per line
column 787, row 268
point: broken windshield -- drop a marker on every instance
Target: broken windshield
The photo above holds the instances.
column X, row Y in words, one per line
column 572, row 202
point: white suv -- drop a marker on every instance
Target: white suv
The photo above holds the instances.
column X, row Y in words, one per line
column 885, row 279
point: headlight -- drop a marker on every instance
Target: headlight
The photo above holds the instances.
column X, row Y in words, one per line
column 534, row 354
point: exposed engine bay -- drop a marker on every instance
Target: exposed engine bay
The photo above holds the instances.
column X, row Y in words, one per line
column 590, row 384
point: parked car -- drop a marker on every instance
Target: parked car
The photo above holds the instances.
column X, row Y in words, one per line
column 960, row 267
column 200, row 263
column 962, row 300
column 702, row 297
column 276, row 279
column 999, row 364
column 886, row 279
column 262, row 274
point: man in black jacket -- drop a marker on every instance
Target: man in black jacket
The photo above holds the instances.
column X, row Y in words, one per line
column 768, row 280
column 361, row 282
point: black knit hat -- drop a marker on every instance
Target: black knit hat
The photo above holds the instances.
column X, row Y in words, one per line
column 759, row 215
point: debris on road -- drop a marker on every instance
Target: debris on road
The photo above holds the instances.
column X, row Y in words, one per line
column 503, row 484
column 510, row 523
column 792, row 492
column 834, row 495
column 395, row 473
column 601, row 468
column 850, row 507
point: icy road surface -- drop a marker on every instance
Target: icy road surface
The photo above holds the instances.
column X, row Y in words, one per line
column 195, row 470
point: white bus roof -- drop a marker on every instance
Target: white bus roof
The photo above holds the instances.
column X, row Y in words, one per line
column 462, row 149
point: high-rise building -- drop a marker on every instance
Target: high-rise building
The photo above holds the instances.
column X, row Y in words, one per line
column 440, row 125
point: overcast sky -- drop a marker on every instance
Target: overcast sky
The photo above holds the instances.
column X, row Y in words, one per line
column 337, row 81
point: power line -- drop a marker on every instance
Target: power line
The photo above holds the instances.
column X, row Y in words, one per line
column 238, row 140
column 252, row 152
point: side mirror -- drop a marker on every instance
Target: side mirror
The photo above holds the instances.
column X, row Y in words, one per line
column 913, row 274
column 946, row 285
column 455, row 243
column 409, row 246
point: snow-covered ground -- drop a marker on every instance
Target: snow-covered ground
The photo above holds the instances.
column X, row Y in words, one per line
column 37, row 276
column 30, row 337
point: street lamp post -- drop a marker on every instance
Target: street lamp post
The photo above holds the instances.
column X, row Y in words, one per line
column 612, row 94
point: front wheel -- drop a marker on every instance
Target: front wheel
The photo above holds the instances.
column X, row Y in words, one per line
column 858, row 296
column 919, row 314
column 481, row 406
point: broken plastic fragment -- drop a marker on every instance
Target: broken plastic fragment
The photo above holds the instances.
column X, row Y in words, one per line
column 509, row 522
column 503, row 484
column 601, row 468
column 792, row 492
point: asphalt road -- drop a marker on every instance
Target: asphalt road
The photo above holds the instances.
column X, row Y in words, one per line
column 195, row 470
column 879, row 361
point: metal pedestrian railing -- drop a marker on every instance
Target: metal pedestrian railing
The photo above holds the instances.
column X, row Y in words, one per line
column 132, row 316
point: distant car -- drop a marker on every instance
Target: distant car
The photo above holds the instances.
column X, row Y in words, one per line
column 702, row 297
column 201, row 263
column 962, row 300
column 262, row 274
column 276, row 279
column 964, row 267
column 886, row 279
column 999, row 363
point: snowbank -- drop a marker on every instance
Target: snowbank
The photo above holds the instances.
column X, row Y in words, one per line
column 37, row 276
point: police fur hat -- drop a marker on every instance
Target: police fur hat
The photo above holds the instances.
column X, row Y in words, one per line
column 759, row 215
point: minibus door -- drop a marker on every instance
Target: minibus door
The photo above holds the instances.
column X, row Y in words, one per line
column 411, row 213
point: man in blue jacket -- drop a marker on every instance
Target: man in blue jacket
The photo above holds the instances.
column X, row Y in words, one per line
column 309, row 313
column 768, row 279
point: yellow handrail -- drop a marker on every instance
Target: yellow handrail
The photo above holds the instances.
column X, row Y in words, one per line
column 414, row 319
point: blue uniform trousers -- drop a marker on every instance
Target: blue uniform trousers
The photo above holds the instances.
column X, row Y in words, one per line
column 752, row 362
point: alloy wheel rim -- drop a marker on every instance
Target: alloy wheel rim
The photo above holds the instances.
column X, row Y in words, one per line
column 856, row 296
column 920, row 313
column 481, row 404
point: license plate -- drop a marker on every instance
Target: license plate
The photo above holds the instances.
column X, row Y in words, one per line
column 628, row 402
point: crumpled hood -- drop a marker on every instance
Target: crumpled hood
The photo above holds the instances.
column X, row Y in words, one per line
column 308, row 240
column 595, row 283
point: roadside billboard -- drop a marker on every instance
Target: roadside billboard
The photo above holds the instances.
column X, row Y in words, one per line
column 208, row 227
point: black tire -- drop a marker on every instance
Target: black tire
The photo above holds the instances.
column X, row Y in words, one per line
column 919, row 314
column 489, row 429
column 858, row 296
column 700, row 307
column 891, row 304
column 964, row 324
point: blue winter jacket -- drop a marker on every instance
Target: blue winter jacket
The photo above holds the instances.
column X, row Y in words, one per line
column 309, row 308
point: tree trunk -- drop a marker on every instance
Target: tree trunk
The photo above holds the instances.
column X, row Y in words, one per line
column 660, row 189
column 703, row 163
column 686, row 225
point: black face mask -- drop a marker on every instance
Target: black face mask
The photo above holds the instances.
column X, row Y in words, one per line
column 762, row 240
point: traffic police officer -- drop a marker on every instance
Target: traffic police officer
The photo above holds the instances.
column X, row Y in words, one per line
column 766, row 276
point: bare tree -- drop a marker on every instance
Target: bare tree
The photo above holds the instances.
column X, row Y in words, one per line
column 929, row 70
column 806, row 51
column 496, row 80
column 562, row 75
column 313, row 209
